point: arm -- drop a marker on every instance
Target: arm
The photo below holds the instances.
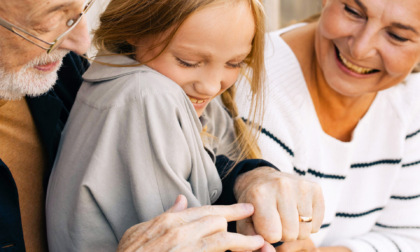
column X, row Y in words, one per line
column 275, row 195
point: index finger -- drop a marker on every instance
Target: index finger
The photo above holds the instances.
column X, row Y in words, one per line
column 230, row 213
column 318, row 207
column 267, row 221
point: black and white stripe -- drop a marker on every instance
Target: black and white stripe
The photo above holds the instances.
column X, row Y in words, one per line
column 278, row 141
column 412, row 134
column 412, row 197
column 357, row 215
column 374, row 163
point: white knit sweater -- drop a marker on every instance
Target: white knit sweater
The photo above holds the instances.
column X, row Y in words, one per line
column 371, row 185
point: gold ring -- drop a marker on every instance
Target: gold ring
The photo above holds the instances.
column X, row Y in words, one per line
column 305, row 219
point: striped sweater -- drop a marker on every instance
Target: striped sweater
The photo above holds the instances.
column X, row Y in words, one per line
column 371, row 184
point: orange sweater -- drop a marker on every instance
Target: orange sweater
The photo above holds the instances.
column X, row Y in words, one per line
column 21, row 150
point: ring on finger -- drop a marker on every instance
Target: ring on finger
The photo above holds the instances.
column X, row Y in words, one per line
column 305, row 219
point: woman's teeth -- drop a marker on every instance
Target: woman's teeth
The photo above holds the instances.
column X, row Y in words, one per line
column 193, row 100
column 354, row 68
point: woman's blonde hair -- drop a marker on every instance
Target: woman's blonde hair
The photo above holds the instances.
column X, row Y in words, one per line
column 124, row 20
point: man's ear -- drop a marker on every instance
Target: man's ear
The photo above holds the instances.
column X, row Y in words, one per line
column 133, row 41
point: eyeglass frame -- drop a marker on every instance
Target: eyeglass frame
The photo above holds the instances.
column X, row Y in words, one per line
column 51, row 45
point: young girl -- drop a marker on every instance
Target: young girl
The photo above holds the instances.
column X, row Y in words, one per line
column 133, row 141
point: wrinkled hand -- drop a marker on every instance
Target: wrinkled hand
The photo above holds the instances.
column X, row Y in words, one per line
column 194, row 229
column 333, row 249
column 279, row 199
column 298, row 246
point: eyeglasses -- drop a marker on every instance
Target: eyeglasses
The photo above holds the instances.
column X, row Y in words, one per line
column 49, row 46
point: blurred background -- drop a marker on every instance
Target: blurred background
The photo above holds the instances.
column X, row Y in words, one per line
column 280, row 13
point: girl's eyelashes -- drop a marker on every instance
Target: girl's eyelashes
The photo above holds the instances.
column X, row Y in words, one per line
column 236, row 65
column 194, row 65
column 187, row 64
column 352, row 11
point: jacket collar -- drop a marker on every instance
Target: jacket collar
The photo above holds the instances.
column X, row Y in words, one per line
column 121, row 66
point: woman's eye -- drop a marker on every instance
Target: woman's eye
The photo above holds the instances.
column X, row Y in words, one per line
column 187, row 64
column 397, row 38
column 352, row 11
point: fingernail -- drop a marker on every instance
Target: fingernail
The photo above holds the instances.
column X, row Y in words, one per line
column 248, row 207
column 178, row 199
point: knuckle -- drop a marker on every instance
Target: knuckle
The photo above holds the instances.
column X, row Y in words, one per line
column 165, row 218
column 218, row 221
column 175, row 234
column 285, row 184
column 209, row 209
column 290, row 234
column 257, row 191
column 222, row 236
column 305, row 185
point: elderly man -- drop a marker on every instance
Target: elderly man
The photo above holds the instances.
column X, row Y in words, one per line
column 30, row 128
column 35, row 37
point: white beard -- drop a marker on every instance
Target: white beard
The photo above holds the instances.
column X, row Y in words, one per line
column 29, row 81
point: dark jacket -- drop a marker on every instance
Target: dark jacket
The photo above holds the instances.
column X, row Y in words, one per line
column 50, row 112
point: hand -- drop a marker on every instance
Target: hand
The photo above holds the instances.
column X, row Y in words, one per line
column 299, row 245
column 279, row 199
column 333, row 249
column 194, row 229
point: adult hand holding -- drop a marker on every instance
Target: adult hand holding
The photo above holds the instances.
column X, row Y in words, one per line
column 194, row 229
column 286, row 207
column 298, row 246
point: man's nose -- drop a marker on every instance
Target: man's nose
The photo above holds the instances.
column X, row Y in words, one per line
column 78, row 39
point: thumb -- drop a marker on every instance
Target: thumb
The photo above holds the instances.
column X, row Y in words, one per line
column 179, row 205
column 268, row 248
column 245, row 227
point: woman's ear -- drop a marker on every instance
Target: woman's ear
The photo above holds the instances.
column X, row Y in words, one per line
column 324, row 2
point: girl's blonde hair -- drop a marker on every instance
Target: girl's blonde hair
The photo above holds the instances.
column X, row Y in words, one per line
column 124, row 20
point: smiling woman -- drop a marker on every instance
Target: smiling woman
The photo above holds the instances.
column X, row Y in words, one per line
column 343, row 111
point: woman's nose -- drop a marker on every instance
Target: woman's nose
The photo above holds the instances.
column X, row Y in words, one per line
column 363, row 44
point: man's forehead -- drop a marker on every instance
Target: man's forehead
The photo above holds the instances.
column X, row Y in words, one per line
column 33, row 8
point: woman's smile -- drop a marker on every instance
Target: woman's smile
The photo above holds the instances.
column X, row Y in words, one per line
column 353, row 67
